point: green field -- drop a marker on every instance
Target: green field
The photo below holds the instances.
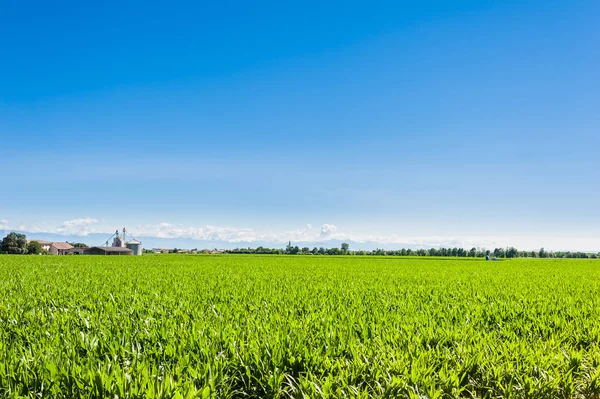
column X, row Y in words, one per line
column 291, row 326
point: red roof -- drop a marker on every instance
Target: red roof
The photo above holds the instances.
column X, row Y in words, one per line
column 61, row 245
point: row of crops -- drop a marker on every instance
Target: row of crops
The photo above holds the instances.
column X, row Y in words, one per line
column 269, row 326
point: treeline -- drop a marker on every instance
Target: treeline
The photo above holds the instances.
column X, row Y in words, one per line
column 16, row 244
column 510, row 252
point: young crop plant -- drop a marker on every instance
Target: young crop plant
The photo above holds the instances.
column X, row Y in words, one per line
column 298, row 327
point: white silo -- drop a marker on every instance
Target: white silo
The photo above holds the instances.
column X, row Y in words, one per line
column 135, row 246
column 118, row 241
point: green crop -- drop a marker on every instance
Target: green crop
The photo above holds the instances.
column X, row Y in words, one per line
column 281, row 326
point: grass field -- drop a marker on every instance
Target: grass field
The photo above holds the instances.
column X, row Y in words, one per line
column 179, row 326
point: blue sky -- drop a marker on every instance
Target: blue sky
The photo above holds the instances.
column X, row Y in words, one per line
column 472, row 121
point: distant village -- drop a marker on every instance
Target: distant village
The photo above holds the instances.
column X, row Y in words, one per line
column 119, row 247
column 116, row 244
column 130, row 248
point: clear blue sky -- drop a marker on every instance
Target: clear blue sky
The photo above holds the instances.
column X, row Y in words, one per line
column 415, row 119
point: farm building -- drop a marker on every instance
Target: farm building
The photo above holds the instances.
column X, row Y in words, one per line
column 60, row 248
column 100, row 251
column 55, row 248
column 135, row 246
column 108, row 251
column 77, row 251
column 119, row 247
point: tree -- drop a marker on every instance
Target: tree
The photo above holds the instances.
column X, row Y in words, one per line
column 512, row 252
column 35, row 248
column 499, row 252
column 14, row 243
column 345, row 247
column 78, row 245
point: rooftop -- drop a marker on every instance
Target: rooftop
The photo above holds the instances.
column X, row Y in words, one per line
column 61, row 245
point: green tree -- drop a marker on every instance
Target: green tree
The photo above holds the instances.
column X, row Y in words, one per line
column 334, row 251
column 14, row 243
column 533, row 254
column 499, row 252
column 512, row 252
column 345, row 247
column 78, row 244
column 34, row 248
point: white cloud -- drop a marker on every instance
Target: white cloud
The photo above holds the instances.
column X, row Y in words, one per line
column 327, row 231
column 227, row 234
column 305, row 234
column 82, row 227
column 210, row 233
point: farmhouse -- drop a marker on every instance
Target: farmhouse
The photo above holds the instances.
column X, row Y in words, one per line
column 55, row 248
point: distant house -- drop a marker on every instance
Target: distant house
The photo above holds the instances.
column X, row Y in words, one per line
column 161, row 250
column 60, row 248
column 55, row 248
column 109, row 251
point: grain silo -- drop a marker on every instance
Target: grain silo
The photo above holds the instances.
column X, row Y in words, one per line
column 135, row 246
